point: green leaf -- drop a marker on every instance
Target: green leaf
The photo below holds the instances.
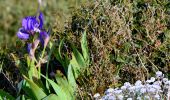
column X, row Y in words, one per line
column 58, row 54
column 77, row 62
column 28, row 90
column 51, row 97
column 5, row 96
column 61, row 80
column 63, row 60
column 63, row 83
column 32, row 72
column 59, row 90
column 79, row 58
column 37, row 91
column 120, row 59
column 71, row 78
column 49, row 58
column 60, row 47
column 76, row 67
column 19, row 86
column 126, row 47
column 84, row 47
column 21, row 97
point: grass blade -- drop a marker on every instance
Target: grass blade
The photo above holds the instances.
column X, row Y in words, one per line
column 37, row 91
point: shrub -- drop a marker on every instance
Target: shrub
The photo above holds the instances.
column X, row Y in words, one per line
column 128, row 40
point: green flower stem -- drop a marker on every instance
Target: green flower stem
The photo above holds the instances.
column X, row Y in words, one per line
column 39, row 63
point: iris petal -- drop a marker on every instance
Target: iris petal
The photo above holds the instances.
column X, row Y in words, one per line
column 41, row 20
column 29, row 46
column 24, row 23
column 29, row 23
column 44, row 34
column 44, row 38
column 22, row 34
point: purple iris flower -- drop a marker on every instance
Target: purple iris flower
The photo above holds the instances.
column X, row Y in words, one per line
column 30, row 25
column 23, row 34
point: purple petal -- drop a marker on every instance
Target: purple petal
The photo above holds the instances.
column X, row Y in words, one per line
column 30, row 23
column 44, row 34
column 41, row 20
column 44, row 37
column 24, row 23
column 22, row 34
column 29, row 47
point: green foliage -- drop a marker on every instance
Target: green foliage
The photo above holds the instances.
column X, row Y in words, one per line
column 64, row 87
column 72, row 77
column 129, row 39
column 84, row 47
column 51, row 97
column 32, row 84
column 64, row 60
column 5, row 95
column 61, row 90
column 37, row 91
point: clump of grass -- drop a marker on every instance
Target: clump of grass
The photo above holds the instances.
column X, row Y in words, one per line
column 125, row 38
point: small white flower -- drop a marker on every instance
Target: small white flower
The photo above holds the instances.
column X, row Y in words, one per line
column 152, row 79
column 139, row 98
column 117, row 91
column 157, row 97
column 137, row 88
column 120, row 97
column 151, row 90
column 127, row 84
column 110, row 90
column 156, row 87
column 159, row 74
column 146, row 97
column 157, row 83
column 138, row 83
column 132, row 88
column 148, row 85
column 167, row 83
column 143, row 90
column 96, row 95
column 148, row 81
column 123, row 88
column 165, row 80
column 129, row 98
column 112, row 97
